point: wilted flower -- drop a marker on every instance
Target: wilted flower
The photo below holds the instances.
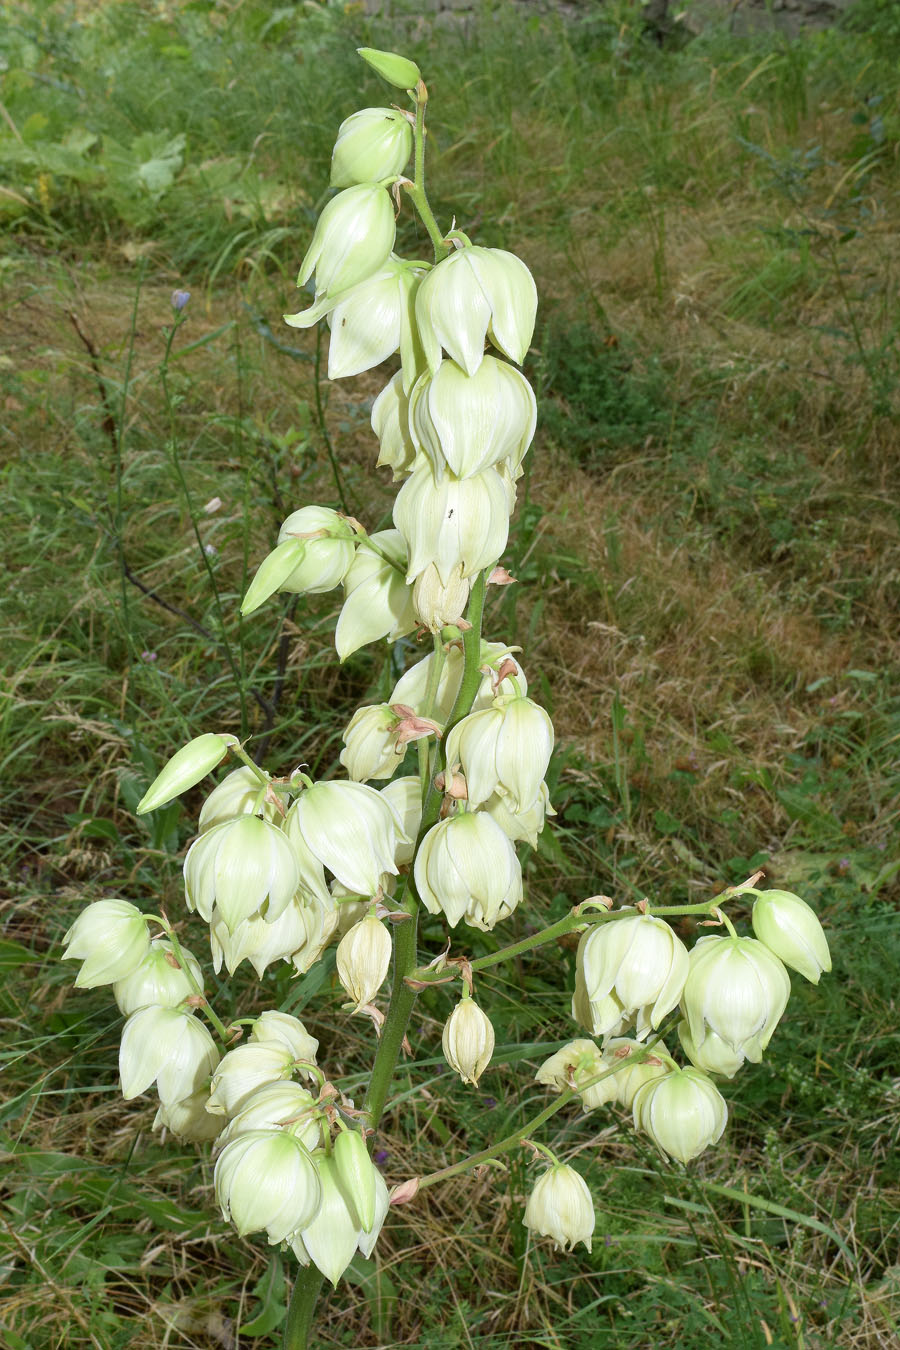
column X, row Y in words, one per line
column 266, row 1181
column 111, row 938
column 168, row 1046
column 363, row 958
column 683, row 1113
column 352, row 239
column 790, row 928
column 738, row 989
column 629, row 968
column 159, row 979
column 466, row 868
column 238, row 867
column 370, row 743
column 314, row 552
column 468, row 1040
column 474, row 294
column 560, row 1207
column 372, row 144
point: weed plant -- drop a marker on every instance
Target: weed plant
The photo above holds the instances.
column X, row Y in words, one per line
column 711, row 515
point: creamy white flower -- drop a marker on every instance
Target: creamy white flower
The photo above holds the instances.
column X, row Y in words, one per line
column 243, row 1070
column 468, row 423
column 790, row 928
column 278, row 1028
column 713, row 1055
column 366, row 1244
column 738, row 989
column 315, row 549
column 299, row 935
column 437, row 604
column 370, row 743
column 474, row 294
column 334, row 1233
column 617, row 1067
column 238, row 794
column 350, row 828
column 526, row 824
column 186, row 767
column 372, row 144
column 238, row 867
column 277, row 1106
column 632, row 968
column 363, row 959
column 266, row 1181
column 169, row 1047
column 378, row 602
column 111, row 938
column 159, row 979
column 466, row 868
column 352, row 239
column 468, row 1040
column 505, row 749
column 390, row 422
column 455, row 523
column 683, row 1113
column 189, row 1119
column 560, row 1208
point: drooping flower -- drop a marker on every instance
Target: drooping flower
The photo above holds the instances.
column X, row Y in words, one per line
column 738, row 989
column 474, row 294
column 352, row 239
column 266, row 1181
column 372, row 144
column 683, row 1112
column 466, row 868
column 629, row 968
column 111, row 938
column 168, row 1046
column 560, row 1207
column 790, row 928
column 468, row 1040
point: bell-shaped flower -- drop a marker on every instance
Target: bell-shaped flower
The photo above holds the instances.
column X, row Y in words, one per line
column 363, row 958
column 455, row 523
column 240, row 793
column 239, row 867
column 526, row 824
column 560, row 1207
column 496, row 656
column 189, row 1119
column 505, row 749
column 299, row 936
column 186, row 767
column 358, row 1177
column 370, row 743
column 378, row 602
column 266, row 1181
column 436, row 603
column 575, row 1060
column 468, row 1040
column 111, row 938
column 633, row 1068
column 245, row 1069
column 632, row 968
column 790, row 928
column 332, row 1237
column 713, row 1054
column 277, row 1106
column 468, row 423
column 350, row 828
column 372, row 144
column 278, row 1028
column 737, row 988
column 314, row 552
column 352, row 239
column 474, row 294
column 404, row 796
column 159, row 980
column 466, row 868
column 169, row 1047
column 390, row 422
column 683, row 1112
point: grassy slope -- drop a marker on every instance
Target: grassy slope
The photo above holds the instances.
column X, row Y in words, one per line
column 708, row 553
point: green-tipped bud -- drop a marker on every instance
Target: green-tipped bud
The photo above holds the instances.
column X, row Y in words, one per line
column 277, row 1106
column 315, row 549
column 186, row 767
column 468, row 1040
column 168, row 1046
column 503, row 749
column 370, row 743
column 111, row 938
column 453, row 523
column 238, row 867
column 352, row 240
column 560, row 1208
column 683, row 1113
column 738, row 989
column 372, row 144
column 363, row 958
column 631, row 968
column 351, row 829
column 397, row 70
column 159, row 980
column 358, row 1176
column 378, row 602
column 466, row 868
column 266, row 1181
column 474, row 294
column 790, row 928
column 468, row 423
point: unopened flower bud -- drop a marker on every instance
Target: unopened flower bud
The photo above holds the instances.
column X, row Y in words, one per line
column 350, row 828
column 277, row 1106
column 560, row 1208
column 437, row 604
column 352, row 239
column 186, row 767
column 683, row 1112
column 358, row 1176
column 168, row 1046
column 468, row 1040
column 397, row 70
column 790, row 928
column 238, row 794
column 111, row 938
column 363, row 958
column 457, row 522
column 189, row 1119
column 266, row 1181
column 372, row 144
column 159, row 980
column 632, row 967
column 377, row 603
column 370, row 743
column 468, row 423
column 738, row 989
column 474, row 294
column 238, row 867
column 466, row 868
column 314, row 551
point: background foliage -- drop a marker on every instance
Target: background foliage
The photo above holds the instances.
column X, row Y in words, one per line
column 707, row 547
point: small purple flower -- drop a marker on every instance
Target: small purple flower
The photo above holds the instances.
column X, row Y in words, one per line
column 180, row 299
column 490, row 1102
column 381, row 1156
column 148, row 656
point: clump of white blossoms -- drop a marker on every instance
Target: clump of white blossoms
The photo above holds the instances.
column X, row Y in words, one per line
column 444, row 788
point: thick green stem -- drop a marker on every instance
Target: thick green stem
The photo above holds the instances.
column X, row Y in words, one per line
column 302, row 1307
column 397, row 1020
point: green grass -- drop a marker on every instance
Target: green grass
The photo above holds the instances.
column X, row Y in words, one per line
column 708, row 556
